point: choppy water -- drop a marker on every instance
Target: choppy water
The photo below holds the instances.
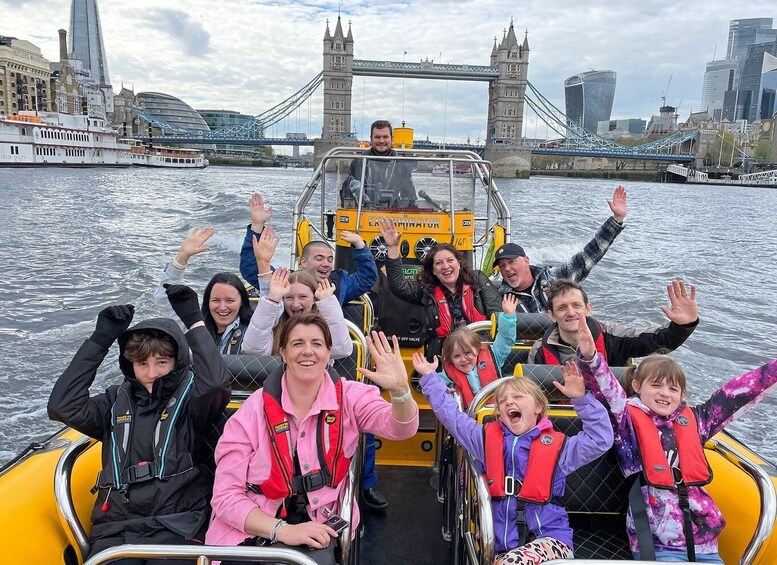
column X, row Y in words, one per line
column 74, row 241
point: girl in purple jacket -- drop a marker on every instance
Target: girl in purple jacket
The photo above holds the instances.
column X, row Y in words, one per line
column 522, row 408
column 670, row 434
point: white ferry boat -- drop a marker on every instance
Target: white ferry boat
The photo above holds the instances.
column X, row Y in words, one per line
column 167, row 157
column 31, row 139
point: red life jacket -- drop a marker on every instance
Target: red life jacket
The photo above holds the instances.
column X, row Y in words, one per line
column 488, row 372
column 329, row 442
column 693, row 464
column 444, row 312
column 551, row 353
column 537, row 484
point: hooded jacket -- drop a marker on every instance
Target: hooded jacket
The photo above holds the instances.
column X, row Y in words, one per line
column 663, row 510
column 153, row 507
column 541, row 519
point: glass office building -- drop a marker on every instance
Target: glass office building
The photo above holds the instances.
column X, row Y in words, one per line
column 86, row 39
column 589, row 98
column 718, row 78
column 172, row 110
column 741, row 35
column 759, row 58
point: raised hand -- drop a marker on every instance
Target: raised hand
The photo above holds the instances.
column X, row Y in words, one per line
column 193, row 244
column 353, row 238
column 509, row 303
column 618, row 204
column 111, row 323
column 585, row 341
column 324, row 290
column 389, row 232
column 390, row 372
column 259, row 212
column 574, row 386
column 422, row 366
column 264, row 247
column 185, row 304
column 682, row 304
column 279, row 285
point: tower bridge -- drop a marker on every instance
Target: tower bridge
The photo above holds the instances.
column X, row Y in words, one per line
column 509, row 91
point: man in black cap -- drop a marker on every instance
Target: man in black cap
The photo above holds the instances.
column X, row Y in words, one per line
column 530, row 283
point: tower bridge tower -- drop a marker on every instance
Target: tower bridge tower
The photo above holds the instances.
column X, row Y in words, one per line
column 506, row 76
column 338, row 82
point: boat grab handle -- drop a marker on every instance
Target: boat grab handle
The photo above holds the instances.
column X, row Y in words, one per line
column 63, row 496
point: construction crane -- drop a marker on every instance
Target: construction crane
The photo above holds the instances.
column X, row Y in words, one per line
column 666, row 90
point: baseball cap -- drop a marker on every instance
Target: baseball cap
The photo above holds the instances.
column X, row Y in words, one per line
column 508, row 251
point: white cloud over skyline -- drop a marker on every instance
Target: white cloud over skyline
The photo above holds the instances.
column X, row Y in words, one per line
column 248, row 55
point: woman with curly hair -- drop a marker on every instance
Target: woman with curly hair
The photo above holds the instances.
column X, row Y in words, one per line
column 450, row 291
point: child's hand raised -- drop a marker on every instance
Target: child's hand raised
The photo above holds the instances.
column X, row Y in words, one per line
column 324, row 290
column 574, row 386
column 422, row 366
column 585, row 341
column 509, row 303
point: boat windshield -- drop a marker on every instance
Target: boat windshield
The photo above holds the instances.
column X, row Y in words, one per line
column 407, row 183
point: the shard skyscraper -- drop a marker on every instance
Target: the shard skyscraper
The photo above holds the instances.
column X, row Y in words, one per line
column 86, row 39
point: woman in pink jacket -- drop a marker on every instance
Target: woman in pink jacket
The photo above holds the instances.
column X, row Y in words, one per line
column 283, row 457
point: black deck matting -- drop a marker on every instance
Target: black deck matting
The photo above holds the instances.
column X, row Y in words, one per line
column 409, row 530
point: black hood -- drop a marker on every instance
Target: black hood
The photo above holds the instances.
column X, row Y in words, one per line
column 183, row 361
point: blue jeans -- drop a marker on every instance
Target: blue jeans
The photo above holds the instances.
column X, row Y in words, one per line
column 369, row 478
column 682, row 557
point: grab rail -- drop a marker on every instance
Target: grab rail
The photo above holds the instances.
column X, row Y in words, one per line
column 204, row 554
column 766, row 517
column 68, row 517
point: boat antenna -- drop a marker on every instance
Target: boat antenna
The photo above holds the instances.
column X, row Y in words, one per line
column 403, row 88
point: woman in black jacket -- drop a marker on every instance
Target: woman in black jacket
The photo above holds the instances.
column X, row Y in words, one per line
column 154, row 487
column 450, row 291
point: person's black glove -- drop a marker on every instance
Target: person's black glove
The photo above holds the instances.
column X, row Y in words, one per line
column 111, row 323
column 184, row 302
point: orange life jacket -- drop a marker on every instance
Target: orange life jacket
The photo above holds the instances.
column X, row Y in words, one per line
column 537, row 484
column 444, row 312
column 694, row 468
column 487, row 372
column 329, row 442
column 550, row 351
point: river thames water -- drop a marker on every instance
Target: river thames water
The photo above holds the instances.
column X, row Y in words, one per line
column 75, row 240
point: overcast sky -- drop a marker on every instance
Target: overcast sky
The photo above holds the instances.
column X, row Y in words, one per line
column 248, row 55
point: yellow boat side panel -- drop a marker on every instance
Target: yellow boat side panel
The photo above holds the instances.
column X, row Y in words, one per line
column 32, row 532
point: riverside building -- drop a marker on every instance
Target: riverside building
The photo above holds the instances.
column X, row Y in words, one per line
column 24, row 77
column 589, row 98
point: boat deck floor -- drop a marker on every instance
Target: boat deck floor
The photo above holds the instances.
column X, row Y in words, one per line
column 410, row 529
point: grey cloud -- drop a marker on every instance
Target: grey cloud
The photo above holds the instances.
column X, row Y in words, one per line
column 181, row 28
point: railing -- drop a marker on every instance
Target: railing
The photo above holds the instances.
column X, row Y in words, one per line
column 766, row 491
column 68, row 518
column 203, row 554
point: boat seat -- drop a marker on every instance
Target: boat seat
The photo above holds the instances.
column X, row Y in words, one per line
column 596, row 495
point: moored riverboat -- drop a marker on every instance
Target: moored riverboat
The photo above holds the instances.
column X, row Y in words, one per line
column 50, row 522
column 38, row 139
column 166, row 157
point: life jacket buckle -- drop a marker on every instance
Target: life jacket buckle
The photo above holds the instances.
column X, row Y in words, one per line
column 677, row 476
column 143, row 471
column 510, row 483
column 312, row 481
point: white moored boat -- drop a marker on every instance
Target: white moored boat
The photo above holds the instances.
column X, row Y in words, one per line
column 168, row 157
column 31, row 139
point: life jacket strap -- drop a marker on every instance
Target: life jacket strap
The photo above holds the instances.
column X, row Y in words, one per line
column 682, row 495
column 301, row 483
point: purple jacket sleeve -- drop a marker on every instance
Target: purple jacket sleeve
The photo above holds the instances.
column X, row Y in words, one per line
column 464, row 429
column 734, row 398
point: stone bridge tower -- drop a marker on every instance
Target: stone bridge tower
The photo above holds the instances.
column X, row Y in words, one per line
column 504, row 133
column 338, row 84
